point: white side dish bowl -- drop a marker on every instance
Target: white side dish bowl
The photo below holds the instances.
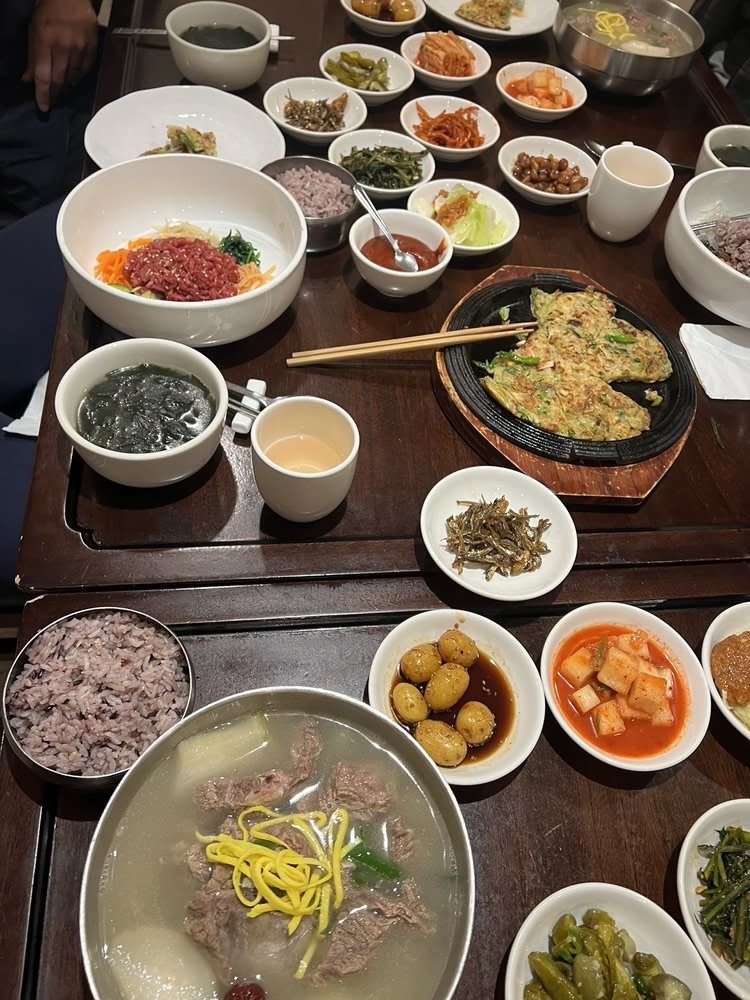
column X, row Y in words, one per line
column 653, row 930
column 313, row 88
column 384, row 29
column 735, row 812
column 400, row 73
column 507, row 653
column 435, row 104
column 730, row 622
column 370, row 138
column 439, row 81
column 490, row 482
column 519, row 70
column 422, row 197
column 134, row 198
column 677, row 650
column 156, row 468
column 540, row 145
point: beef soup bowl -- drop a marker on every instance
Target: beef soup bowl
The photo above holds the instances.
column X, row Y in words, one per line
column 148, row 906
column 138, row 199
column 89, row 692
column 625, row 686
column 125, row 395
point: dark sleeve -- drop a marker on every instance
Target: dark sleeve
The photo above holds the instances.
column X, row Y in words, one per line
column 719, row 19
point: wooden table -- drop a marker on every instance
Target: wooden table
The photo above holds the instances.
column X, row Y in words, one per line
column 258, row 601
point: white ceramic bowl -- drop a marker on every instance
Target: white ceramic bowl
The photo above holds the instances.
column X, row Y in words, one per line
column 710, row 281
column 730, row 622
column 439, row 81
column 506, row 651
column 653, row 930
column 679, row 653
column 539, row 145
column 228, row 69
column 158, row 468
column 488, row 482
column 370, row 138
column 399, row 284
column 519, row 70
column 400, row 73
column 422, row 197
column 433, row 105
column 313, row 88
column 384, row 29
column 722, row 135
column 131, row 199
column 735, row 812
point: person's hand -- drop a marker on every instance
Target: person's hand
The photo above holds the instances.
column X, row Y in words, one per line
column 62, row 46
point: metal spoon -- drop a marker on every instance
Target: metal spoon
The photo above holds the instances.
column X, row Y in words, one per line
column 405, row 261
column 596, row 149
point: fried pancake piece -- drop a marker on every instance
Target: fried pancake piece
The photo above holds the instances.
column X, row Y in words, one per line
column 489, row 13
column 566, row 401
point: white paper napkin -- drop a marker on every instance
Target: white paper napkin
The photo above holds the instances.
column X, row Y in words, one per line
column 720, row 356
column 28, row 423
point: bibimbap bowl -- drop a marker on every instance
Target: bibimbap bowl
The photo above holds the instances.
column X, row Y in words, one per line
column 137, row 199
column 88, row 693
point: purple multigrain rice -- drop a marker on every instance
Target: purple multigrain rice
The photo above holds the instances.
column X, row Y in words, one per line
column 96, row 691
column 731, row 242
column 319, row 194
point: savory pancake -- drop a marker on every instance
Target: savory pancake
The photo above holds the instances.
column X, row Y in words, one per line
column 488, row 13
column 558, row 378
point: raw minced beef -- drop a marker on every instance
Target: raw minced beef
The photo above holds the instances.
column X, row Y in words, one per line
column 182, row 269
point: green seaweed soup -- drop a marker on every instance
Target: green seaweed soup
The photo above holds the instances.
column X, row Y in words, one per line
column 733, row 156
column 145, row 408
column 219, row 36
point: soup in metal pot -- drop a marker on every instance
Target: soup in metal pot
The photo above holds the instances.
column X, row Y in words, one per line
column 626, row 27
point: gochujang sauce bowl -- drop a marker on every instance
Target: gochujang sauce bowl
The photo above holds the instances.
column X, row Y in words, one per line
column 142, row 469
column 399, row 284
column 68, row 677
column 249, row 735
column 731, row 621
column 690, row 702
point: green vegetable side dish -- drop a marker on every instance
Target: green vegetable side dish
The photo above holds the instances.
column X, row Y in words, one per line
column 596, row 960
column 387, row 167
column 358, row 71
column 725, row 895
column 468, row 221
column 239, row 248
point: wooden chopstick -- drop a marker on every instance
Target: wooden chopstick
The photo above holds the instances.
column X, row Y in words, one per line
column 433, row 341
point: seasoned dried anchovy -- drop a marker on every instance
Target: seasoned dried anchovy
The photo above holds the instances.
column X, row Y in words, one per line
column 497, row 537
column 316, row 116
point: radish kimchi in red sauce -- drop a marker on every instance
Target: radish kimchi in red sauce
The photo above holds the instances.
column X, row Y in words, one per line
column 637, row 735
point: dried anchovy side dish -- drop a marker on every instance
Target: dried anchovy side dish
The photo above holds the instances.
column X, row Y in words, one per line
column 316, row 115
column 497, row 537
column 725, row 895
column 386, row 167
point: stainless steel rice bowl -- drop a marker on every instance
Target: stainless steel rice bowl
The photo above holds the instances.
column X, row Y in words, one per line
column 615, row 70
column 189, row 754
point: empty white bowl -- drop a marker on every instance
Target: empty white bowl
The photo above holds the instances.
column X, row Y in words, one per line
column 730, row 622
column 735, row 812
column 507, row 653
column 399, row 284
column 156, row 468
column 131, row 199
column 520, row 70
column 678, row 652
column 313, row 88
column 539, row 145
column 433, row 105
column 229, row 69
column 651, row 927
column 384, row 29
column 371, row 138
column 715, row 284
column 400, row 73
column 439, row 81
column 422, row 197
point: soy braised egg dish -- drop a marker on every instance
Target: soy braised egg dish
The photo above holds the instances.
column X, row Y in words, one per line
column 453, row 698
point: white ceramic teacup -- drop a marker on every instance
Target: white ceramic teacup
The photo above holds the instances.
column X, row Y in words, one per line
column 304, row 455
column 626, row 191
column 716, row 138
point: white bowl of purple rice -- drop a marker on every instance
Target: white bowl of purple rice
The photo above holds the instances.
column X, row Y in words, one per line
column 713, row 267
column 91, row 691
column 323, row 190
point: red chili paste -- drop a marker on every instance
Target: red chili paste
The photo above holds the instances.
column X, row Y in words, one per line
column 182, row 270
column 378, row 250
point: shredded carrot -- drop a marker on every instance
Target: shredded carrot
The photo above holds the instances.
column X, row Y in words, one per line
column 445, row 53
column 452, row 129
column 252, row 277
column 110, row 263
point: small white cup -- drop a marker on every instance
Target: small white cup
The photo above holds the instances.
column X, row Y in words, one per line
column 304, row 455
column 626, row 191
column 722, row 135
